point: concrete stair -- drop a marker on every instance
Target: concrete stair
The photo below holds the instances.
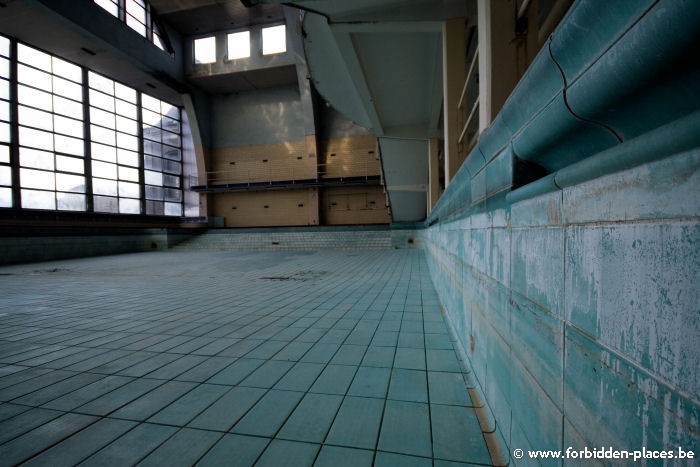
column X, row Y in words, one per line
column 305, row 240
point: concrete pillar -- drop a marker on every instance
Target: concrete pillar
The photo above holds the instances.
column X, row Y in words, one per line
column 433, row 173
column 309, row 112
column 498, row 63
column 454, row 74
column 314, row 206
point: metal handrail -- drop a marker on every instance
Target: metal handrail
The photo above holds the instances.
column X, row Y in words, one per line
column 469, row 120
column 272, row 174
column 468, row 79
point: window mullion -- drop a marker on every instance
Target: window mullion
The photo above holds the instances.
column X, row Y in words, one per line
column 14, row 127
column 149, row 23
column 122, row 10
column 89, row 201
column 181, row 176
column 142, row 173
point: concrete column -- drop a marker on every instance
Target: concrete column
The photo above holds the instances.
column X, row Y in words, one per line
column 433, row 173
column 454, row 74
column 311, row 156
column 314, row 206
column 295, row 47
column 498, row 63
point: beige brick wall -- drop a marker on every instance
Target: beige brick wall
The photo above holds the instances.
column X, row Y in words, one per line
column 349, row 156
column 295, row 160
column 248, row 209
column 354, row 205
column 262, row 163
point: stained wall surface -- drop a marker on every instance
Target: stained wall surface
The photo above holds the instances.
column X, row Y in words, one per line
column 579, row 309
column 259, row 138
column 565, row 250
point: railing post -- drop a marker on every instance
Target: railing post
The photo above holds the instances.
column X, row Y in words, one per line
column 454, row 70
column 497, row 51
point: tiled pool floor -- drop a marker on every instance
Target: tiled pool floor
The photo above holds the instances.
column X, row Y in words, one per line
column 223, row 358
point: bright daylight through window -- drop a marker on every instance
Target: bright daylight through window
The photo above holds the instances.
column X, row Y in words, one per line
column 239, row 45
column 274, row 40
column 5, row 169
column 134, row 150
column 205, row 50
column 50, row 116
column 137, row 15
column 114, row 146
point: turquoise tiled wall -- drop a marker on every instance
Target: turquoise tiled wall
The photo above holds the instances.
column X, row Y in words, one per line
column 579, row 309
column 32, row 245
column 575, row 296
column 298, row 239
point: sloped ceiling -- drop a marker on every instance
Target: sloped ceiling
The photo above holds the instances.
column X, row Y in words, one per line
column 379, row 62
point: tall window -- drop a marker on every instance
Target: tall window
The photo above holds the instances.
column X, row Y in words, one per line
column 162, row 159
column 121, row 147
column 5, row 169
column 50, row 117
column 114, row 146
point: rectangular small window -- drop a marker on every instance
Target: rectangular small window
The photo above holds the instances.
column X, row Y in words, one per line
column 109, row 5
column 136, row 15
column 205, row 50
column 239, row 45
column 158, row 37
column 274, row 40
column 4, row 46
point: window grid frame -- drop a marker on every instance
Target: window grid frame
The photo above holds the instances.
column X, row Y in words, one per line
column 121, row 199
column 163, row 159
column 8, row 165
column 54, row 151
column 151, row 31
column 134, row 120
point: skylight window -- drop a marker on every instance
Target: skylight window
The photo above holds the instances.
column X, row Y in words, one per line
column 205, row 50
column 274, row 40
column 239, row 45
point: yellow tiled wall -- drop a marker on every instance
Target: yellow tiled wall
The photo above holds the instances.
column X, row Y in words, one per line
column 261, row 163
column 349, row 156
column 354, row 205
column 265, row 208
